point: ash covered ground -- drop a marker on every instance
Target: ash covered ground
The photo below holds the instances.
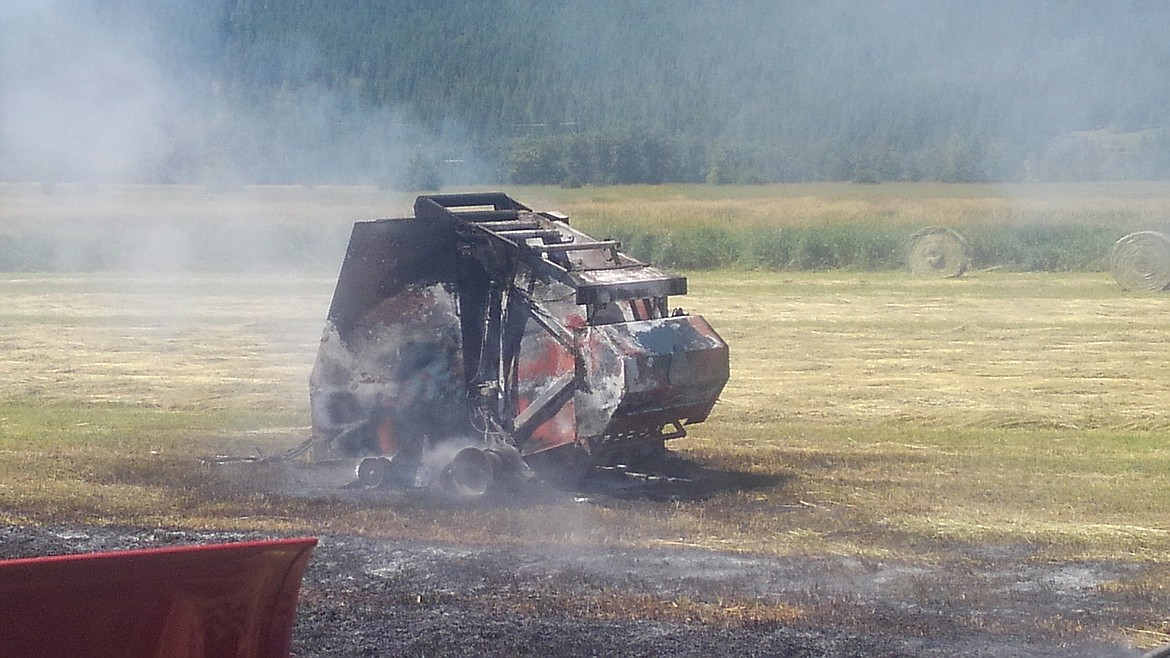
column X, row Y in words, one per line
column 370, row 597
column 366, row 596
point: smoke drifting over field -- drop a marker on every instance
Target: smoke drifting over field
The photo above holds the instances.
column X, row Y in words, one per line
column 131, row 92
column 242, row 92
column 79, row 98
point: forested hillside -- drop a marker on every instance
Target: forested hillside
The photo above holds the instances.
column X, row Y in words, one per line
column 423, row 92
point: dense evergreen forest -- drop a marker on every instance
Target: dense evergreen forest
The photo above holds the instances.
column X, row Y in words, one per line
column 418, row 93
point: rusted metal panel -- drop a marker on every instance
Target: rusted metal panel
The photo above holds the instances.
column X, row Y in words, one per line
column 545, row 381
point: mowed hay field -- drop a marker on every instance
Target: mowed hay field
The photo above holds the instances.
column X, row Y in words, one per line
column 868, row 413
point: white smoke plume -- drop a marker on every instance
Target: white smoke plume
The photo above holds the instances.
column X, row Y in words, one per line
column 80, row 97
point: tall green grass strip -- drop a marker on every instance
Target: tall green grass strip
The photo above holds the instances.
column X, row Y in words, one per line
column 865, row 247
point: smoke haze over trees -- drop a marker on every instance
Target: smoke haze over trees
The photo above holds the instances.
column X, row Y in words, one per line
column 411, row 92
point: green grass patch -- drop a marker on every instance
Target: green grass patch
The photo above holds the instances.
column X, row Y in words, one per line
column 870, row 490
column 864, row 247
column 121, row 464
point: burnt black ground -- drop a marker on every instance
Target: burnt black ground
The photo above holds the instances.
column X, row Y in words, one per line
column 372, row 597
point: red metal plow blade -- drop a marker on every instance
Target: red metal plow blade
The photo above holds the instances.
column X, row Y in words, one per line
column 230, row 600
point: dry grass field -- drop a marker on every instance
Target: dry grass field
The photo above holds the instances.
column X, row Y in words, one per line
column 868, row 414
column 996, row 407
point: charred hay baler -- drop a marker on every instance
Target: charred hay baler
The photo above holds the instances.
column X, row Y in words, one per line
column 480, row 339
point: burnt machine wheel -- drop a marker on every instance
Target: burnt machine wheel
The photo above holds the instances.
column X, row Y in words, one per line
column 471, row 474
column 376, row 472
column 937, row 251
column 372, row 471
column 1141, row 261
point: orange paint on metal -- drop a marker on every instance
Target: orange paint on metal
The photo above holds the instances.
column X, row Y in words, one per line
column 558, row 430
column 553, row 361
column 386, row 442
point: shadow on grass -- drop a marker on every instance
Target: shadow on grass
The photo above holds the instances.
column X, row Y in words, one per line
column 668, row 478
column 672, row 478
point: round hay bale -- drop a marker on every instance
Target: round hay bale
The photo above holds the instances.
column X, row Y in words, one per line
column 937, row 251
column 1141, row 261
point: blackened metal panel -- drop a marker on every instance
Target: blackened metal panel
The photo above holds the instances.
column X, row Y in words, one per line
column 638, row 375
column 627, row 283
column 434, row 206
column 385, row 256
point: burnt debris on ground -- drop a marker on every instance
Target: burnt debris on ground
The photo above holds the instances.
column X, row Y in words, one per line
column 365, row 596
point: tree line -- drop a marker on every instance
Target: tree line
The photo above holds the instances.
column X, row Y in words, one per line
column 423, row 92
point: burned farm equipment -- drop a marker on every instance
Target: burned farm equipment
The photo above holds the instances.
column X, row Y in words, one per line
column 481, row 339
